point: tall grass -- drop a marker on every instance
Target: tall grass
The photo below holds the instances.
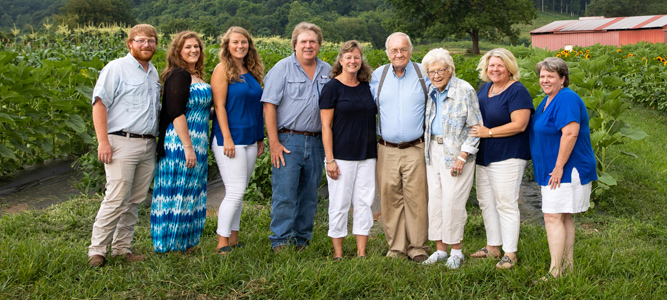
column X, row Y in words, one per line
column 620, row 253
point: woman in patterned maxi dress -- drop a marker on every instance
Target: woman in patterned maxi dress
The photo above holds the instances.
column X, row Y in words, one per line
column 178, row 210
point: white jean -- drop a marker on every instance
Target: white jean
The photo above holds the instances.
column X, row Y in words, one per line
column 447, row 197
column 356, row 185
column 498, row 186
column 235, row 173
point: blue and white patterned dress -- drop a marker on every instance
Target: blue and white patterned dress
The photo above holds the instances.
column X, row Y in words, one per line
column 178, row 211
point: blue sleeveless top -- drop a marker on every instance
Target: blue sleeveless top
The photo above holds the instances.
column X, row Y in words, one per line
column 244, row 112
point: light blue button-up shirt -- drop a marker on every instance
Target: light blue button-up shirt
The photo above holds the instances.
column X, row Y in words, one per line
column 131, row 96
column 401, row 104
column 296, row 96
column 436, row 124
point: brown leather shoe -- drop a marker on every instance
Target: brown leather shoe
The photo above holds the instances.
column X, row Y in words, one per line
column 419, row 258
column 96, row 261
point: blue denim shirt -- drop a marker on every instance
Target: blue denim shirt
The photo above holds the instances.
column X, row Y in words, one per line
column 296, row 96
column 461, row 111
column 401, row 107
column 131, row 96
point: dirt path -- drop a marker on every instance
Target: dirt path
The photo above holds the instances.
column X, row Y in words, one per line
column 54, row 183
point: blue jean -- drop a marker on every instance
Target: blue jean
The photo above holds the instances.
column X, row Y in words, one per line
column 294, row 186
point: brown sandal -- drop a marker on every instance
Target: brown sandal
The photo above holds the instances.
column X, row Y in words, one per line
column 484, row 253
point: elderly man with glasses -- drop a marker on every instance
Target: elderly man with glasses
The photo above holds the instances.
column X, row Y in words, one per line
column 399, row 89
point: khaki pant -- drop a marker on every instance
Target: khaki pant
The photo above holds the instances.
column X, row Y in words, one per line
column 129, row 176
column 401, row 176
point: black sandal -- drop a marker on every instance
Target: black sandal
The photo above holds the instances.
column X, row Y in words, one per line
column 224, row 250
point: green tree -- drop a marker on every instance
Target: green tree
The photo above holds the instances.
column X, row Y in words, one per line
column 478, row 18
column 176, row 25
column 82, row 12
column 623, row 8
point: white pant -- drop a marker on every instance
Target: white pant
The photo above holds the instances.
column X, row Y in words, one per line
column 447, row 197
column 498, row 186
column 235, row 173
column 356, row 185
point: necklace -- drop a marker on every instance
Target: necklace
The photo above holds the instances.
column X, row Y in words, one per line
column 503, row 88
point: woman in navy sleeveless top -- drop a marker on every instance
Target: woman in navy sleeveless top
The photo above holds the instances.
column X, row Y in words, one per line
column 238, row 128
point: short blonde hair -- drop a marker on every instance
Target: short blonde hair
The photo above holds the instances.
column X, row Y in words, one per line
column 304, row 26
column 140, row 29
column 508, row 59
column 438, row 55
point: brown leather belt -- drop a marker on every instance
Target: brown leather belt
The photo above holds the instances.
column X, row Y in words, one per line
column 299, row 132
column 132, row 135
column 401, row 145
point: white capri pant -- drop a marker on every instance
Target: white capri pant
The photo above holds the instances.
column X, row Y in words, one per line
column 356, row 185
column 447, row 197
column 569, row 198
column 235, row 173
column 498, row 186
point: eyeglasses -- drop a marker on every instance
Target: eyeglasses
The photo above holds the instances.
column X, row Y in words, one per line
column 142, row 41
column 395, row 51
column 440, row 72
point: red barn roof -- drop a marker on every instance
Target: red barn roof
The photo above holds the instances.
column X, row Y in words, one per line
column 602, row 24
column 600, row 30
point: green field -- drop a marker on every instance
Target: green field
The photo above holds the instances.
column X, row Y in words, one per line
column 620, row 253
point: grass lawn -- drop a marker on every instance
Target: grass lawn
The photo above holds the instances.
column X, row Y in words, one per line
column 620, row 253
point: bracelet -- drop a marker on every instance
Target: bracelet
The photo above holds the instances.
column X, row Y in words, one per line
column 188, row 146
column 328, row 162
column 461, row 158
column 490, row 133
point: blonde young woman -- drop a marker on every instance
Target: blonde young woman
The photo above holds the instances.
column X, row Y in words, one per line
column 178, row 211
column 238, row 127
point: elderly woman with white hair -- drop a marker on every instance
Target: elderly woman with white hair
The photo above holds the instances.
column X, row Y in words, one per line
column 506, row 107
column 452, row 110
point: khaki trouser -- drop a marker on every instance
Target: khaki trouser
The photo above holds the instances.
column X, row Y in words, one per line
column 129, row 176
column 401, row 176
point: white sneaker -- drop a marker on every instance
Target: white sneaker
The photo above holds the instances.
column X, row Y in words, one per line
column 454, row 262
column 435, row 257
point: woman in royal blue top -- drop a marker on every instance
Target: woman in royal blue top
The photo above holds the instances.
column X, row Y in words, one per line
column 238, row 128
column 348, row 115
column 506, row 107
column 563, row 160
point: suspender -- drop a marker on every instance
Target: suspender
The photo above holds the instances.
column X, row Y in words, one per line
column 421, row 81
